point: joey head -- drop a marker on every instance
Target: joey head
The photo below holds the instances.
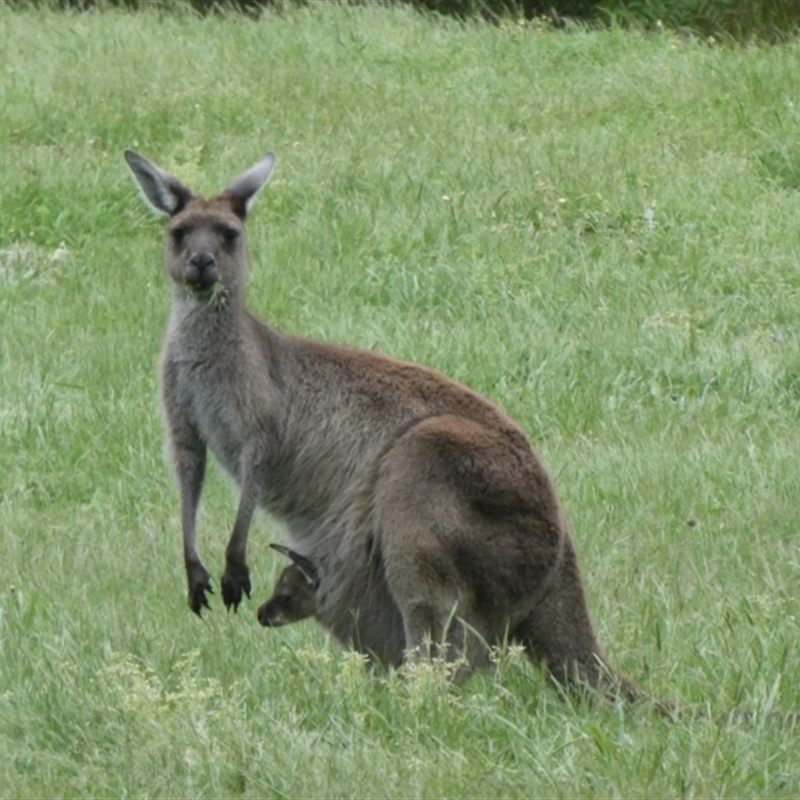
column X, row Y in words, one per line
column 295, row 594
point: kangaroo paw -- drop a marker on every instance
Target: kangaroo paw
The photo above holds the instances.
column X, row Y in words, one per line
column 235, row 582
column 199, row 584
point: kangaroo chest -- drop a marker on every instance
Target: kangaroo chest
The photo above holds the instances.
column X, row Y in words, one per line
column 207, row 402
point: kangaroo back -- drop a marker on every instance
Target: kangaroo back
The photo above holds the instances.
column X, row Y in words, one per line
column 429, row 520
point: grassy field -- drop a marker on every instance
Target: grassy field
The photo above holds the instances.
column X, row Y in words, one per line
column 597, row 230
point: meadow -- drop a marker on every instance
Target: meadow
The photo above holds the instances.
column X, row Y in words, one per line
column 596, row 229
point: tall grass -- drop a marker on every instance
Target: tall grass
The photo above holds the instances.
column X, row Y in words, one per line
column 596, row 230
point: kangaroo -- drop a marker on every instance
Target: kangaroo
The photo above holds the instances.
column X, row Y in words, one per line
column 433, row 522
column 295, row 594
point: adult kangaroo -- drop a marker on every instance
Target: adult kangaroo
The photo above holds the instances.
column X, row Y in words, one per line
column 430, row 519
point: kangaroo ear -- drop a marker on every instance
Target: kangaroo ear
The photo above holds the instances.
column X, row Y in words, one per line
column 305, row 565
column 285, row 551
column 162, row 192
column 243, row 190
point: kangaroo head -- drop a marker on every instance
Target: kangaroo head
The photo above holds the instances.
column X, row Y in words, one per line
column 295, row 594
column 206, row 251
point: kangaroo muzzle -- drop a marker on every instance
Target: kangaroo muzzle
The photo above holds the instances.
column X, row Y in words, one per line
column 202, row 271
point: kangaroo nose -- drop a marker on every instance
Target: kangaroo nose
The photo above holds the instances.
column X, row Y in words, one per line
column 202, row 261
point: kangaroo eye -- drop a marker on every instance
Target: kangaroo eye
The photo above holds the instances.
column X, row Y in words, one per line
column 230, row 235
column 177, row 235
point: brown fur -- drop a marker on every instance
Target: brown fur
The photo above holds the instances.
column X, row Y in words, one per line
column 428, row 513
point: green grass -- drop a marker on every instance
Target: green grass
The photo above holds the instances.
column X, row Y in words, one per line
column 598, row 230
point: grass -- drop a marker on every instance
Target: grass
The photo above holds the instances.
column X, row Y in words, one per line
column 598, row 230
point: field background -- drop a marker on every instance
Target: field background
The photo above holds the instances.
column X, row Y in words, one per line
column 597, row 230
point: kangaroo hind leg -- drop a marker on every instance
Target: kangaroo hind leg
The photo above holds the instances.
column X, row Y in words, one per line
column 461, row 554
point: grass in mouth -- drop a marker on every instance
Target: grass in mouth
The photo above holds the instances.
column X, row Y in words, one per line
column 217, row 295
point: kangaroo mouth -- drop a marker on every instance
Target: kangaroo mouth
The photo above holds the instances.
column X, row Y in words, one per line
column 212, row 290
column 201, row 285
column 200, row 279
